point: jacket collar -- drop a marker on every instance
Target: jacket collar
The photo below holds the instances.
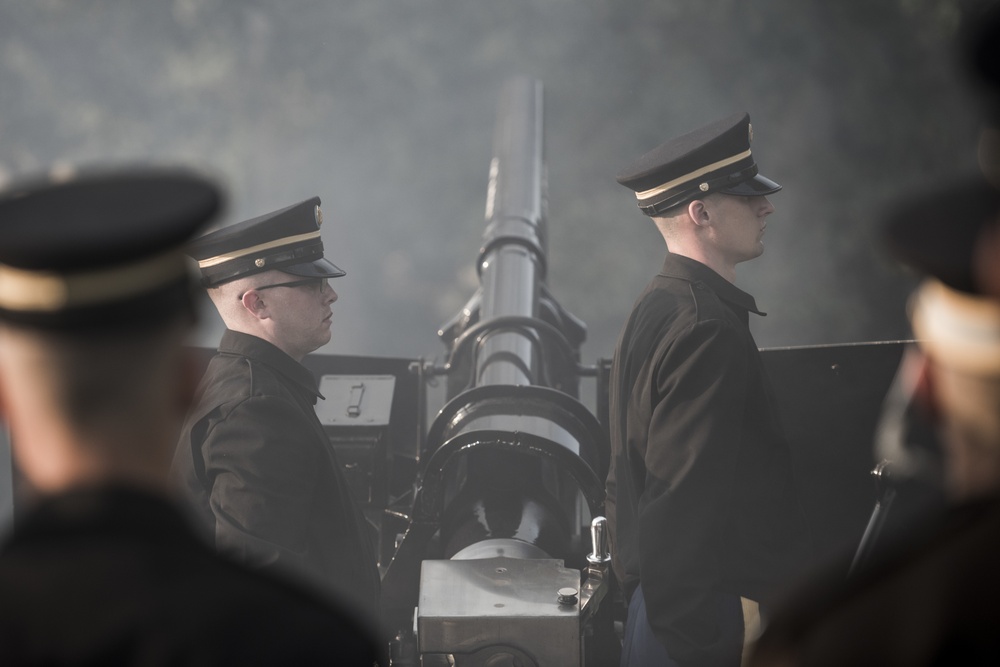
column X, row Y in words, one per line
column 258, row 349
column 685, row 268
column 108, row 509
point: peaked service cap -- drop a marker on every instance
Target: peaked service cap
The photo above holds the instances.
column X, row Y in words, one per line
column 286, row 240
column 935, row 232
column 713, row 158
column 101, row 249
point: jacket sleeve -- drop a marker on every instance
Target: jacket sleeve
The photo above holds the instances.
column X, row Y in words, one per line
column 261, row 462
column 699, row 399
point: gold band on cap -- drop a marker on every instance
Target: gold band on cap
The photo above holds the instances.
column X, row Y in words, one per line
column 692, row 175
column 959, row 330
column 47, row 291
column 288, row 240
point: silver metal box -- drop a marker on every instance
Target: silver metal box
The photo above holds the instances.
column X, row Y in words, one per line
column 484, row 607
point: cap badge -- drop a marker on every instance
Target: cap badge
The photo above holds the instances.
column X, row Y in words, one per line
column 319, row 216
column 259, row 262
column 749, row 133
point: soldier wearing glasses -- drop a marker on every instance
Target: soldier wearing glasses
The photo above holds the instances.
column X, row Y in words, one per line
column 253, row 456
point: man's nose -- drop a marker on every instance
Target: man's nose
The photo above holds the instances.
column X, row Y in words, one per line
column 331, row 295
column 768, row 207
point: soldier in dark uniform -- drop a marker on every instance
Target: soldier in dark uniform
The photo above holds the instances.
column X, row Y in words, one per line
column 701, row 502
column 929, row 597
column 253, row 456
column 101, row 568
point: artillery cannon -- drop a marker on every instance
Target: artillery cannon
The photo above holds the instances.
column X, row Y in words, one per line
column 496, row 561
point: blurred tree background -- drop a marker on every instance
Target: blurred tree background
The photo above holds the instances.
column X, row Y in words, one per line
column 385, row 109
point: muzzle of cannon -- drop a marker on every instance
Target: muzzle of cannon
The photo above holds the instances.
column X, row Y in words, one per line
column 503, row 560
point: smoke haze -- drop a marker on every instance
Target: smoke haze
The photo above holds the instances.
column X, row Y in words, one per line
column 386, row 111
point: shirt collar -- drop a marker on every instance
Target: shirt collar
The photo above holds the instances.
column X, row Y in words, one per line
column 685, row 268
column 258, row 349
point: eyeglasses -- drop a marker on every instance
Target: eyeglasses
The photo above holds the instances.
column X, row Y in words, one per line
column 315, row 285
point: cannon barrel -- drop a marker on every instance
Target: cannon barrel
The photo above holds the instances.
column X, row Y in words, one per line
column 512, row 260
column 512, row 467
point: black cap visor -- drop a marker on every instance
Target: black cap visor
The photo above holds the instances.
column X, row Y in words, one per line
column 758, row 185
column 320, row 268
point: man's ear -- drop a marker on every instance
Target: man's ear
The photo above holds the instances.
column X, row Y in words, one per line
column 699, row 213
column 254, row 304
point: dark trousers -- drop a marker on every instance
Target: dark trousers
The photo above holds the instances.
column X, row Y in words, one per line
column 641, row 648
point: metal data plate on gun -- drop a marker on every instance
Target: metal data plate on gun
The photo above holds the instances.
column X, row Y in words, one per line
column 484, row 605
column 355, row 400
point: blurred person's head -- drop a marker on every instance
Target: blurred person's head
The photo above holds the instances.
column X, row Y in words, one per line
column 948, row 236
column 96, row 301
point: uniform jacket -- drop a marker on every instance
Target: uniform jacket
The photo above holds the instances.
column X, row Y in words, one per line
column 931, row 602
column 255, row 460
column 115, row 576
column 701, row 498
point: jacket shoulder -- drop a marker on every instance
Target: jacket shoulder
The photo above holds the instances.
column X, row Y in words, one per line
column 233, row 378
column 674, row 301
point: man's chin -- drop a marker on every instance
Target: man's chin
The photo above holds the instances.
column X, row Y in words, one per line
column 321, row 340
column 754, row 254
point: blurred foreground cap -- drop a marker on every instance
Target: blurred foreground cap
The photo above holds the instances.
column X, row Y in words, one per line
column 936, row 232
column 714, row 158
column 287, row 240
column 101, row 249
column 959, row 330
